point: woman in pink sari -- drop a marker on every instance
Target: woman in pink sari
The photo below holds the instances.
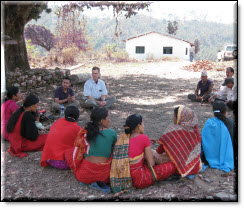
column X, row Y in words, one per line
column 8, row 108
column 133, row 165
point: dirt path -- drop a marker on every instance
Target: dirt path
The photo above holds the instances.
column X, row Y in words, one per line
column 150, row 89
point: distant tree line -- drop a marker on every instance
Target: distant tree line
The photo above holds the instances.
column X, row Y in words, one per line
column 207, row 37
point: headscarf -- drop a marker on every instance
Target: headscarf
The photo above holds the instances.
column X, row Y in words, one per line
column 186, row 119
column 182, row 141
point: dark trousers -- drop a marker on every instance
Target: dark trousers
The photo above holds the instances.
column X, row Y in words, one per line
column 192, row 97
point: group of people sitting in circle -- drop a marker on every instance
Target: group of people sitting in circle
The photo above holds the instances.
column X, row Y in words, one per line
column 227, row 92
column 102, row 160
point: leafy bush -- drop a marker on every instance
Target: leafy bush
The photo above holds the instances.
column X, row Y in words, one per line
column 110, row 49
column 32, row 52
column 121, row 56
column 54, row 56
column 69, row 54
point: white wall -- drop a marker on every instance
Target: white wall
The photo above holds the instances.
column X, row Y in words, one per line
column 154, row 44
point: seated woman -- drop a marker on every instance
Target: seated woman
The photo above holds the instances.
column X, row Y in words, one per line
column 61, row 136
column 217, row 139
column 90, row 159
column 182, row 142
column 8, row 108
column 23, row 132
column 133, row 165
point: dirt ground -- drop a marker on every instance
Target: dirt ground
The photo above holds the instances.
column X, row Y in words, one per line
column 151, row 89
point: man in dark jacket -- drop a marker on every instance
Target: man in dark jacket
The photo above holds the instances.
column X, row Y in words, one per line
column 205, row 86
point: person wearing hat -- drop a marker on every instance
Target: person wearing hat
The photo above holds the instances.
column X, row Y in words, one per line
column 229, row 73
column 205, row 86
column 23, row 132
column 229, row 89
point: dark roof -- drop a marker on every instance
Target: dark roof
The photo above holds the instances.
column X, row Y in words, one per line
column 159, row 34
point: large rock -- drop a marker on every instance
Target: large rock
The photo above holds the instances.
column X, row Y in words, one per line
column 17, row 74
column 23, row 84
column 47, row 77
column 39, row 78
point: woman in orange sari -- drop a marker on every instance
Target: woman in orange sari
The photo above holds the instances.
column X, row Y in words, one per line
column 133, row 165
column 182, row 142
column 61, row 136
column 90, row 159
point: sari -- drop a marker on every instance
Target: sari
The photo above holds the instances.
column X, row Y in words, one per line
column 61, row 136
column 19, row 145
column 85, row 171
column 182, row 143
column 129, row 173
column 7, row 109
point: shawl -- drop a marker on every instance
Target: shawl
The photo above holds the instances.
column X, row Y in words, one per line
column 16, row 140
column 7, row 109
column 120, row 176
column 182, row 142
column 217, row 145
column 81, row 146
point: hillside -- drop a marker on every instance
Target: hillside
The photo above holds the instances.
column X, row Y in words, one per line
column 211, row 35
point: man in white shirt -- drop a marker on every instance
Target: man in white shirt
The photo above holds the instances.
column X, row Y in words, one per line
column 229, row 73
column 95, row 92
column 229, row 89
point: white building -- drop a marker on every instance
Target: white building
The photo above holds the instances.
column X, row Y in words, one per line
column 156, row 45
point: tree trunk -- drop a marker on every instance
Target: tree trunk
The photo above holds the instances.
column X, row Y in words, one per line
column 16, row 16
column 79, row 78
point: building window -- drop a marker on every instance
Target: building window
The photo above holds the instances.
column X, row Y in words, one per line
column 168, row 50
column 140, row 49
column 186, row 50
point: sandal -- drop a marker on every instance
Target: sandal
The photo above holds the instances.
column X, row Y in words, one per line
column 100, row 186
column 83, row 184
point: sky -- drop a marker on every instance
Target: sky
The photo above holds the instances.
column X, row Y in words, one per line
column 215, row 11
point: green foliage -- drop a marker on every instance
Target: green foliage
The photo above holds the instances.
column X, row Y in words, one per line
column 172, row 27
column 120, row 56
column 109, row 49
column 32, row 51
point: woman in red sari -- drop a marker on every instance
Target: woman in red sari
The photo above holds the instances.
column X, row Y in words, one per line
column 8, row 108
column 90, row 159
column 133, row 165
column 61, row 136
column 182, row 142
column 23, row 133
